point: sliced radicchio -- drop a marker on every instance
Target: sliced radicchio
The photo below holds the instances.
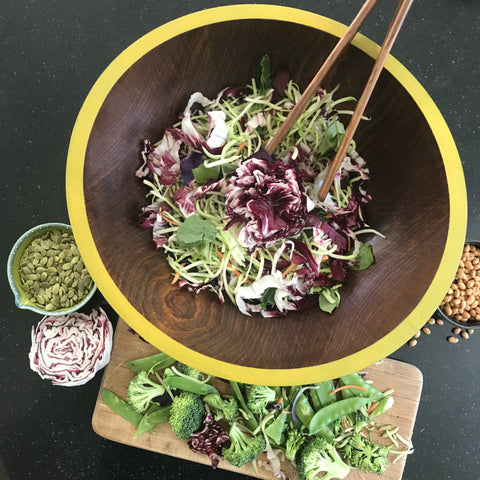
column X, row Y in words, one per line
column 150, row 217
column 70, row 349
column 210, row 440
column 279, row 84
column 185, row 200
column 163, row 159
column 214, row 285
column 218, row 130
column 285, row 296
column 267, row 200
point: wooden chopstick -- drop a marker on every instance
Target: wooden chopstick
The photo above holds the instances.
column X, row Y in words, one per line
column 319, row 76
column 390, row 38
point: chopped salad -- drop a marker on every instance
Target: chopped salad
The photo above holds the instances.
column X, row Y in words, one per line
column 247, row 225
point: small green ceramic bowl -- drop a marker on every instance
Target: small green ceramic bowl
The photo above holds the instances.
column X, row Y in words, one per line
column 13, row 266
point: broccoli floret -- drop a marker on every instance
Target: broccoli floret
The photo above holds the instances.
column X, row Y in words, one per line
column 187, row 414
column 295, row 439
column 142, row 390
column 259, row 396
column 189, row 371
column 243, row 448
column 318, row 455
column 226, row 408
column 355, row 420
column 364, row 454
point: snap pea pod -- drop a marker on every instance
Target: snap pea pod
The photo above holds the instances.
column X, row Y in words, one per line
column 355, row 379
column 335, row 411
column 121, row 407
column 154, row 415
column 189, row 385
column 276, row 429
column 321, row 394
column 303, row 410
column 383, row 405
column 153, row 363
column 305, row 413
column 251, row 421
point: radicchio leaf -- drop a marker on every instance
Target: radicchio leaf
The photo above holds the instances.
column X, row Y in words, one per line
column 266, row 200
column 185, row 200
column 279, row 84
column 337, row 238
column 164, row 160
column 210, row 440
column 338, row 269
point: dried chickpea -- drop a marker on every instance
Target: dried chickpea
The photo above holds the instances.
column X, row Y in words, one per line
column 453, row 339
column 463, row 297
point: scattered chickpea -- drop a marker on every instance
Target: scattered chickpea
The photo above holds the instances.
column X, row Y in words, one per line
column 412, row 342
column 456, row 330
column 439, row 321
column 417, row 334
column 426, row 330
column 464, row 335
column 470, row 331
column 453, row 339
column 431, row 321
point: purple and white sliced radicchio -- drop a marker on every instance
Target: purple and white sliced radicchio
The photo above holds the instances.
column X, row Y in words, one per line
column 70, row 349
column 267, row 200
column 218, row 130
column 210, row 440
column 163, row 159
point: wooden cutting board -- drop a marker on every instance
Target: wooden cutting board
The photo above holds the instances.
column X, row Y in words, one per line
column 405, row 379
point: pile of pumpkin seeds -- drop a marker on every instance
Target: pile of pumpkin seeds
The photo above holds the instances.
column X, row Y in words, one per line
column 52, row 273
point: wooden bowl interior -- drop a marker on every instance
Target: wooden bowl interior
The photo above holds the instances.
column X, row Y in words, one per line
column 410, row 196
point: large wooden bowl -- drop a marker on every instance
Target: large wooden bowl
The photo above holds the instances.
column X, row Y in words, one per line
column 419, row 199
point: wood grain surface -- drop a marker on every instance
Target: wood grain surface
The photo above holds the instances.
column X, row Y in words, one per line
column 405, row 379
column 410, row 203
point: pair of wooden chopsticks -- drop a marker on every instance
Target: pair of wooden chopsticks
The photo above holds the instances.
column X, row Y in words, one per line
column 392, row 33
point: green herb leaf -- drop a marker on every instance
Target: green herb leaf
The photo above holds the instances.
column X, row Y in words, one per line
column 364, row 258
column 267, row 300
column 203, row 173
column 228, row 168
column 332, row 138
column 265, row 76
column 195, row 231
column 328, row 300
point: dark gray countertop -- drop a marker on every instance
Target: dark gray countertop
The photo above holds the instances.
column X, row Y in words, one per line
column 52, row 53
